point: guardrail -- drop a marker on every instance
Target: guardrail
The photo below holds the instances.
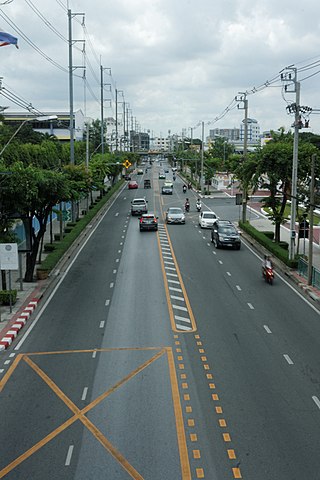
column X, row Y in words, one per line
column 303, row 271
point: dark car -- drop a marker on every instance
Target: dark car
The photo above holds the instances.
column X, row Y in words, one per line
column 147, row 183
column 225, row 234
column 127, row 177
column 132, row 184
column 148, row 221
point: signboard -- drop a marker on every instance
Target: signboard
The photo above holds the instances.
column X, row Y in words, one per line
column 9, row 256
column 127, row 164
column 238, row 198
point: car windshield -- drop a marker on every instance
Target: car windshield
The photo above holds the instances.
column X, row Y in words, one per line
column 209, row 215
column 175, row 210
column 227, row 230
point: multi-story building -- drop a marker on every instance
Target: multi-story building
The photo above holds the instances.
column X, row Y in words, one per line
column 253, row 131
column 59, row 127
column 230, row 134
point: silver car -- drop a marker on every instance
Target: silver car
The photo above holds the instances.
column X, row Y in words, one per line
column 175, row 215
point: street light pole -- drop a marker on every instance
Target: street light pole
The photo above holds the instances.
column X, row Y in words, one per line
column 202, row 148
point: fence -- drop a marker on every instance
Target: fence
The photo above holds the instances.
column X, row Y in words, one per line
column 303, row 271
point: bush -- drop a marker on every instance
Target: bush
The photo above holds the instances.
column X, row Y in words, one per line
column 49, row 247
column 5, row 297
column 279, row 250
column 269, row 234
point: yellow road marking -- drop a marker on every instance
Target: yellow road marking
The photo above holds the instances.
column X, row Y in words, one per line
column 236, row 473
column 80, row 414
column 200, row 472
column 196, row 454
column 166, row 287
column 231, row 454
column 8, row 374
column 185, row 466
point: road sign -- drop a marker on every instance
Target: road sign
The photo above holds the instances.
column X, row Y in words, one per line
column 9, row 256
column 66, row 215
column 126, row 164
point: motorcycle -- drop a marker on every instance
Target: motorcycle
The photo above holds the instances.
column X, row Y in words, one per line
column 268, row 274
column 198, row 206
column 187, row 206
column 184, row 188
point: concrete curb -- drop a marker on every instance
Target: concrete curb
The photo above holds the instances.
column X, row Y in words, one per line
column 18, row 323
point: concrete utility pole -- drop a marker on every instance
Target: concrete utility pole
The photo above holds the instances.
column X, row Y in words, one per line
column 293, row 86
column 312, row 186
column 242, row 97
column 202, row 148
column 102, row 84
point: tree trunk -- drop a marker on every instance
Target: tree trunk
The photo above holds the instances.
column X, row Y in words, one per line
column 31, row 257
column 277, row 231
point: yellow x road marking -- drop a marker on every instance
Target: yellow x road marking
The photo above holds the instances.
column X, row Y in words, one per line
column 80, row 414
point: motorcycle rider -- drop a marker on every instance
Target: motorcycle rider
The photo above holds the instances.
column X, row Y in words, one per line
column 187, row 205
column 267, row 263
column 184, row 188
column 198, row 205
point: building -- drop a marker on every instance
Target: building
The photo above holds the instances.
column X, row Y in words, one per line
column 253, row 131
column 59, row 127
column 230, row 134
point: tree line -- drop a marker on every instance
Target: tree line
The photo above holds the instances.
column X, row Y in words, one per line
column 36, row 176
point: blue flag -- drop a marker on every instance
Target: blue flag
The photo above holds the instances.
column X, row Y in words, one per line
column 7, row 39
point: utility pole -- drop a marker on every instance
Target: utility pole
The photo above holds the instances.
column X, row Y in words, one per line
column 242, row 97
column 71, row 113
column 310, row 253
column 102, row 84
column 202, row 148
column 293, row 86
column 116, row 119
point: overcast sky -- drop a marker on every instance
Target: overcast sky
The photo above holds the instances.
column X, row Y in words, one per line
column 178, row 62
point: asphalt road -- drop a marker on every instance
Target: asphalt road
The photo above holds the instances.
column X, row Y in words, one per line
column 159, row 357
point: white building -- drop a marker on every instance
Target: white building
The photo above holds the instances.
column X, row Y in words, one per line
column 253, row 131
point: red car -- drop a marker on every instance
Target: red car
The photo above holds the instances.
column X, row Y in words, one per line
column 133, row 184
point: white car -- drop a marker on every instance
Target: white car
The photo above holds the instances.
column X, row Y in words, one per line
column 207, row 219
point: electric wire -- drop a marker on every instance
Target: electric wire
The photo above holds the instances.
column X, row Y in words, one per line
column 45, row 20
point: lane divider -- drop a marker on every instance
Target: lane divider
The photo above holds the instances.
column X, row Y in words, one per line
column 18, row 324
column 180, row 312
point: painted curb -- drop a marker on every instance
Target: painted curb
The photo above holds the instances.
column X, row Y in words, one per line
column 19, row 323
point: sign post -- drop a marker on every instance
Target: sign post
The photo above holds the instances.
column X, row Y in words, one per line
column 9, row 260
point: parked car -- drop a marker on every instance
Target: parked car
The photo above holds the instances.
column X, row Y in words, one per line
column 132, row 184
column 225, row 234
column 139, row 206
column 167, row 188
column 207, row 219
column 147, row 183
column 148, row 221
column 175, row 215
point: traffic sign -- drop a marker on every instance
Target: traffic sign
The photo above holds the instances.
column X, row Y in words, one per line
column 126, row 164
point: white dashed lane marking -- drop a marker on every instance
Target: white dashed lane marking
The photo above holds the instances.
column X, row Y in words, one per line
column 267, row 329
column 288, row 359
column 316, row 401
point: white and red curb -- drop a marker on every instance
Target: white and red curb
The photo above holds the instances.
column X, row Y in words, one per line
column 18, row 324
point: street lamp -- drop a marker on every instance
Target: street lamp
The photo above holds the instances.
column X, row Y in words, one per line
column 43, row 118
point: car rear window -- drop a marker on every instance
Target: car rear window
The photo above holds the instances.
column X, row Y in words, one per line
column 175, row 210
column 209, row 215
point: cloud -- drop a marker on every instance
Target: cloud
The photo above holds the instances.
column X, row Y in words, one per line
column 177, row 63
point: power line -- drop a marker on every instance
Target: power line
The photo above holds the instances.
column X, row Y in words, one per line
column 46, row 21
